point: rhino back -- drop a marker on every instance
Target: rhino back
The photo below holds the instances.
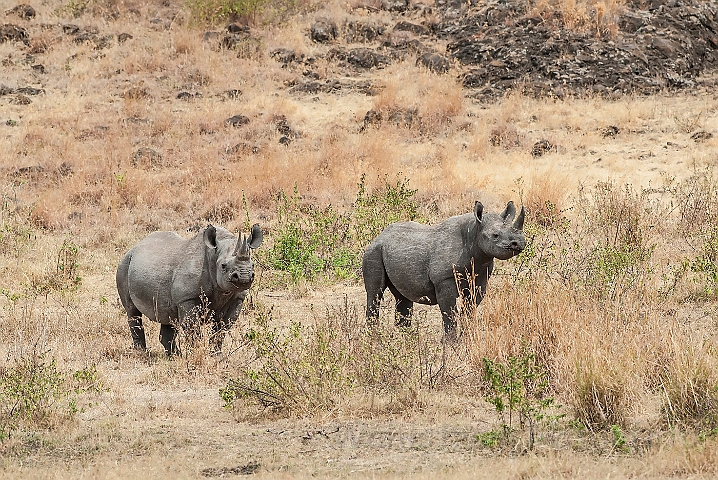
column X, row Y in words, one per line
column 152, row 264
column 416, row 256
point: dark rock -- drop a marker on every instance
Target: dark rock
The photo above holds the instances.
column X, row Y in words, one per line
column 5, row 90
column 70, row 29
column 284, row 55
column 123, row 37
column 395, row 5
column 285, row 140
column 242, row 149
column 30, row 90
column 404, row 26
column 282, row 125
column 38, row 68
column 137, row 93
column 211, row 36
column 26, row 12
column 236, row 121
column 701, row 136
column 187, row 96
column 357, row 31
column 233, row 94
column 13, row 33
column 21, row 100
column 237, row 28
column 136, row 121
column 372, row 118
column 403, row 117
column 541, row 147
column 435, row 62
column 610, row 131
column 366, row 58
column 323, row 31
column 98, row 42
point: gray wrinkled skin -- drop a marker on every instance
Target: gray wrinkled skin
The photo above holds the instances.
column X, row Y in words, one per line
column 180, row 282
column 417, row 262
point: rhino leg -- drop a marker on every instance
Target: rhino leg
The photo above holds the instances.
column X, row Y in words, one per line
column 223, row 324
column 375, row 282
column 403, row 307
column 167, row 339
column 137, row 330
column 446, row 294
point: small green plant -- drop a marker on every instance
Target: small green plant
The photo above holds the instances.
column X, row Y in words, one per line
column 619, row 440
column 518, row 390
column 310, row 240
column 214, row 11
column 33, row 390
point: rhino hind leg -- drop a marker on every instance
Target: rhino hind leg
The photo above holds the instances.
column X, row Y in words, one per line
column 375, row 282
column 403, row 308
column 137, row 330
column 168, row 334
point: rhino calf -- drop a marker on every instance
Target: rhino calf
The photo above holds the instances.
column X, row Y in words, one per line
column 180, row 282
column 418, row 262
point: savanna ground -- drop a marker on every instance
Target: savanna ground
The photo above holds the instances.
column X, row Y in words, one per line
column 593, row 355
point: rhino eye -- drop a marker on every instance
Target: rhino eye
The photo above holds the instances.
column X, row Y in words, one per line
column 224, row 266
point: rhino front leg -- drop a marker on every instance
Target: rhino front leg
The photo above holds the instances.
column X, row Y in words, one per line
column 223, row 324
column 168, row 334
column 446, row 294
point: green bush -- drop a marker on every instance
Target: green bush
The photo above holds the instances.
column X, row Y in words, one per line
column 33, row 390
column 310, row 241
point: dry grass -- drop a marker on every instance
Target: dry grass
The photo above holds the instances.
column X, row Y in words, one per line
column 613, row 301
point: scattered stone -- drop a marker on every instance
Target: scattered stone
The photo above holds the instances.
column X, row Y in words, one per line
column 357, row 31
column 372, row 118
column 701, row 136
column 146, row 157
column 26, row 12
column 65, row 169
column 610, row 131
column 13, row 33
column 414, row 28
column 285, row 141
column 434, row 62
column 70, row 29
column 30, row 90
column 21, row 100
column 335, row 86
column 187, row 96
column 236, row 121
column 136, row 121
column 242, row 149
column 284, row 55
column 237, row 28
column 98, row 42
column 323, row 31
column 233, row 94
column 403, row 117
column 395, row 5
column 38, row 68
column 123, row 37
column 5, row 90
column 282, row 125
column 249, row 469
column 541, row 147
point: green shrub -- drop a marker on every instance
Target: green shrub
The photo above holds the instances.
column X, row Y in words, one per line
column 310, row 240
column 33, row 391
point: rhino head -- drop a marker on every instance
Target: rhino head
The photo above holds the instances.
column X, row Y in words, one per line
column 500, row 236
column 234, row 267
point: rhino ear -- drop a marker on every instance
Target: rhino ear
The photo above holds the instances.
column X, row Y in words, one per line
column 478, row 211
column 255, row 237
column 210, row 236
column 509, row 213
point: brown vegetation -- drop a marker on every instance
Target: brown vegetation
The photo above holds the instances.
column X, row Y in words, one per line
column 606, row 323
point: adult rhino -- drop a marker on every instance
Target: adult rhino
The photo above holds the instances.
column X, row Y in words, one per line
column 418, row 262
column 180, row 282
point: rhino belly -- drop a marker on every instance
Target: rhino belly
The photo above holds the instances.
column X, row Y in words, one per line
column 413, row 284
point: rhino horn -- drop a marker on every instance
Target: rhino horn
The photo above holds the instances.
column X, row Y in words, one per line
column 509, row 213
column 519, row 223
column 242, row 249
